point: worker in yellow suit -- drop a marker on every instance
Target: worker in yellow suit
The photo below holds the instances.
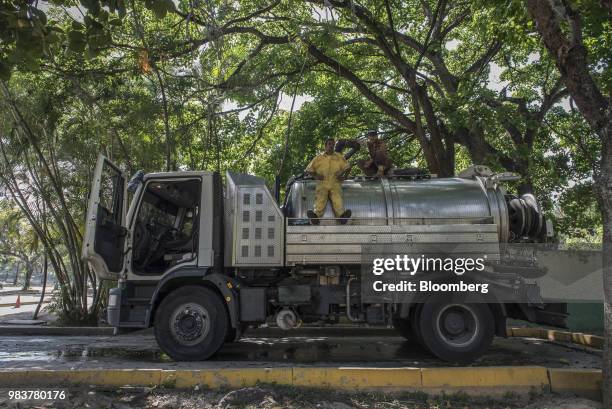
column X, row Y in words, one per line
column 329, row 168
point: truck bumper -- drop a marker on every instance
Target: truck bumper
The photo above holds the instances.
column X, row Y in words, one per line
column 114, row 307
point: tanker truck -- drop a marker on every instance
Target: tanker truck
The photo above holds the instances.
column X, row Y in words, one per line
column 202, row 259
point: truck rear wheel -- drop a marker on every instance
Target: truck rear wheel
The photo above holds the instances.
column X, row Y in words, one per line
column 414, row 318
column 456, row 332
column 191, row 324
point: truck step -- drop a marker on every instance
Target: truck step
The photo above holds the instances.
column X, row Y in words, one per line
column 137, row 300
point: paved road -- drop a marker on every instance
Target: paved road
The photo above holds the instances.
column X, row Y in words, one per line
column 8, row 297
column 138, row 350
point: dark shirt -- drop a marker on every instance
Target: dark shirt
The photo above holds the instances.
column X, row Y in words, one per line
column 379, row 154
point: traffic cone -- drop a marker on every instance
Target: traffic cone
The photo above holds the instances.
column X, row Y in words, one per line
column 18, row 302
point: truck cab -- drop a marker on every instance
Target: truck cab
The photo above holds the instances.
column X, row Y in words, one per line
column 201, row 261
column 167, row 226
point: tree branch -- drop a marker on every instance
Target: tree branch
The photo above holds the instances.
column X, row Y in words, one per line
column 345, row 73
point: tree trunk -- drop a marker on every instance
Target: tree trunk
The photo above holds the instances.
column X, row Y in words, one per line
column 561, row 29
column 605, row 197
column 170, row 156
column 16, row 274
column 27, row 279
column 44, row 288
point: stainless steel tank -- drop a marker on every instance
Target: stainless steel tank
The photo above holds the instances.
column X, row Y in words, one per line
column 397, row 201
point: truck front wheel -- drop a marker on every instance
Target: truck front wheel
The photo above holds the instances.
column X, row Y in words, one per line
column 456, row 332
column 191, row 324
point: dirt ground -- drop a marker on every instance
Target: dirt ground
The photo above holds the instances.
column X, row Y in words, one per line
column 274, row 396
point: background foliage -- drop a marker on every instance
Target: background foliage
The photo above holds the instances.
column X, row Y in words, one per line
column 196, row 84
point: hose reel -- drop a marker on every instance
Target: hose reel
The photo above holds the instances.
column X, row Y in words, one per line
column 526, row 219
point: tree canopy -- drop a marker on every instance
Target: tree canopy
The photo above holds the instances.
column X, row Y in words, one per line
column 257, row 85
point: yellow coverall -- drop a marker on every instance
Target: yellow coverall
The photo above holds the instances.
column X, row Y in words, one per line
column 330, row 167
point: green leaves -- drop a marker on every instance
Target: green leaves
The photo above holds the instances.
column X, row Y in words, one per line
column 5, row 70
column 159, row 7
column 76, row 41
column 235, row 54
column 91, row 36
column 24, row 34
column 115, row 6
column 92, row 6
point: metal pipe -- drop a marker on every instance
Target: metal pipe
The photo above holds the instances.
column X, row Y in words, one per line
column 348, row 301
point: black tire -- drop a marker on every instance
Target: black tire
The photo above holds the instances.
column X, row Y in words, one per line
column 191, row 323
column 415, row 316
column 456, row 332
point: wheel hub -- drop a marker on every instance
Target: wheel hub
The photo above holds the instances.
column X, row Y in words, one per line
column 454, row 323
column 190, row 324
column 457, row 324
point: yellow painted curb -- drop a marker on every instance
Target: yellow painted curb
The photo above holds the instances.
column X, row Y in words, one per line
column 486, row 377
column 526, row 332
column 584, row 382
column 589, row 340
column 226, row 377
column 106, row 377
column 358, row 378
column 561, row 336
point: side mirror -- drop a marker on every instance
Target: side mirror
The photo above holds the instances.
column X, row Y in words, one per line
column 135, row 181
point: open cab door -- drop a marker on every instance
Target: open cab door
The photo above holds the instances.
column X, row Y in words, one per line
column 105, row 227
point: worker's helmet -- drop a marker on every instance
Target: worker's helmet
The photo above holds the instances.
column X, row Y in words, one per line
column 372, row 132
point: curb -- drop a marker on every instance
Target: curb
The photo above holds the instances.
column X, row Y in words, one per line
column 12, row 304
column 38, row 330
column 580, row 338
column 489, row 380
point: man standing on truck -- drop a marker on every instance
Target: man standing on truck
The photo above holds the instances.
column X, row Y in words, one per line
column 330, row 169
column 379, row 163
